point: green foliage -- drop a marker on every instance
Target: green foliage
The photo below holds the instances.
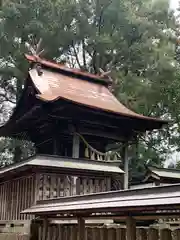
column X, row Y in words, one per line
column 135, row 40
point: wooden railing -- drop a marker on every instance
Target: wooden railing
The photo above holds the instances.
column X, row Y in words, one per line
column 55, row 185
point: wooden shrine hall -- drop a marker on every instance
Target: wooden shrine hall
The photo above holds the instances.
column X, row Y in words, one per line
column 69, row 113
column 76, row 125
column 157, row 176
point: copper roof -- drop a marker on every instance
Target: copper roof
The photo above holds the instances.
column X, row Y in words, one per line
column 54, row 85
column 158, row 173
column 121, row 202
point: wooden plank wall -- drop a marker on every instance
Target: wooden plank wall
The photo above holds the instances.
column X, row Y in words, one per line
column 69, row 232
column 16, row 195
column 21, row 193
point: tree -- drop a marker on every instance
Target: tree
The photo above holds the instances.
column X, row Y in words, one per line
column 136, row 41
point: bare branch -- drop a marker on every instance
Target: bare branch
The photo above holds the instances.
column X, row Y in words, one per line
column 6, row 98
column 101, row 16
column 76, row 56
column 147, row 143
column 94, row 60
column 84, row 55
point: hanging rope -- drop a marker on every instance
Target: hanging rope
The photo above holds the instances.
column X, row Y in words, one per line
column 89, row 146
column 96, row 154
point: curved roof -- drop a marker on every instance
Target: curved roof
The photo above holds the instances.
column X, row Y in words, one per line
column 88, row 90
column 55, row 85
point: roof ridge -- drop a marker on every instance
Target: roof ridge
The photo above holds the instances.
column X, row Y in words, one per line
column 163, row 168
column 62, row 67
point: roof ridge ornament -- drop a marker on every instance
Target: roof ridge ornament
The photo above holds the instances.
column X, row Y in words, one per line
column 36, row 52
column 106, row 74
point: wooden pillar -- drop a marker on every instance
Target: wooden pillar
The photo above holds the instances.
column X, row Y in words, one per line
column 75, row 150
column 126, row 167
column 165, row 234
column 34, row 230
column 81, row 229
column 75, row 154
column 130, row 228
column 176, row 234
column 153, row 234
column 142, row 234
column 45, row 229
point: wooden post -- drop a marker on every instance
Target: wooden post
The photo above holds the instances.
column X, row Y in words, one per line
column 165, row 234
column 45, row 229
column 142, row 234
column 34, row 230
column 176, row 234
column 81, row 229
column 75, row 150
column 75, row 154
column 126, row 167
column 153, row 234
column 130, row 228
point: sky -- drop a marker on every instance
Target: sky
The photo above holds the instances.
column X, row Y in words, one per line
column 174, row 4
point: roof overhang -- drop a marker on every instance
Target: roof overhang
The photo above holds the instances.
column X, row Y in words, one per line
column 63, row 165
column 162, row 173
column 54, row 85
column 139, row 201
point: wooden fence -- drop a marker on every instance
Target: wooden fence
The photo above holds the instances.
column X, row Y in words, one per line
column 14, row 236
column 38, row 231
column 69, row 232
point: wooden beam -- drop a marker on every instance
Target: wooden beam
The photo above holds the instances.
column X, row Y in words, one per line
column 78, row 118
column 74, row 221
column 130, row 228
column 81, row 229
column 114, row 217
column 112, row 134
column 28, row 114
column 98, row 117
